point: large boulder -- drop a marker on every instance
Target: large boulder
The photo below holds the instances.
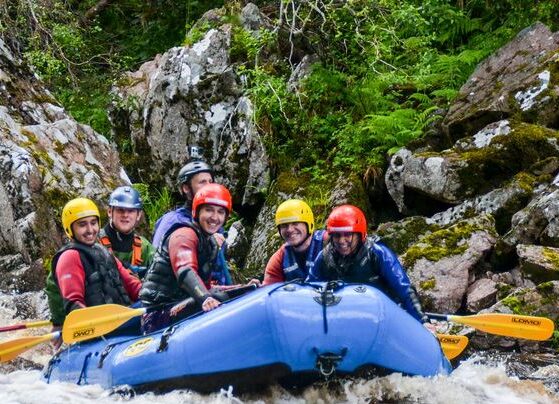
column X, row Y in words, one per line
column 192, row 96
column 46, row 158
column 442, row 262
column 474, row 166
column 517, row 80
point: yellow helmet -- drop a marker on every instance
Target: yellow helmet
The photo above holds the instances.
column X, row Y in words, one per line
column 77, row 209
column 295, row 210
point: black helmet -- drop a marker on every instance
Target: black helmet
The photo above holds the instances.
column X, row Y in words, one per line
column 125, row 197
column 189, row 170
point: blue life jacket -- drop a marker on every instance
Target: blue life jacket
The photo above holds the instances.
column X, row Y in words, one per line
column 165, row 222
column 289, row 264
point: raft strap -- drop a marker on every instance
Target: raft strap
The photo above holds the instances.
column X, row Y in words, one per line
column 104, row 354
column 83, row 377
column 164, row 343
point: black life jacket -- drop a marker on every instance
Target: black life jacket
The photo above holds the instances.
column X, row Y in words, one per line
column 102, row 279
column 160, row 283
column 361, row 267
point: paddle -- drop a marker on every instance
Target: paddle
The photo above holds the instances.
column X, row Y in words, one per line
column 452, row 345
column 21, row 326
column 10, row 349
column 95, row 321
column 508, row 325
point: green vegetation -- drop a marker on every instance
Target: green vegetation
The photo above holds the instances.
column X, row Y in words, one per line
column 156, row 202
column 384, row 70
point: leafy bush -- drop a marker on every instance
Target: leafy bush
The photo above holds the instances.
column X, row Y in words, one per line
column 156, row 202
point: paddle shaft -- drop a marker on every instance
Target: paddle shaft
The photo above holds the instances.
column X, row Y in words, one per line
column 21, row 326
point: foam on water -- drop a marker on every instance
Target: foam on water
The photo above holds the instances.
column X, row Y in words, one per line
column 472, row 382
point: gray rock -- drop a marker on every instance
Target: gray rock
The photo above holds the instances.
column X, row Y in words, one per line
column 46, row 158
column 480, row 295
column 538, row 263
column 191, row 95
column 538, row 222
column 513, row 79
column 472, row 168
column 442, row 284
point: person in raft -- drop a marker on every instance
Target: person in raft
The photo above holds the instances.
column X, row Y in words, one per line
column 187, row 264
column 83, row 272
column 195, row 174
column 295, row 222
column 119, row 235
column 353, row 257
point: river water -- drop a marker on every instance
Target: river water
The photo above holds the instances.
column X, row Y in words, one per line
column 472, row 382
column 482, row 378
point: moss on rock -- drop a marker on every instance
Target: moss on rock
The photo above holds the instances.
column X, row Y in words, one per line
column 444, row 242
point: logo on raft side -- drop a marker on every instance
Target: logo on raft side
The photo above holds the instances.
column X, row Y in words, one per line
column 138, row 347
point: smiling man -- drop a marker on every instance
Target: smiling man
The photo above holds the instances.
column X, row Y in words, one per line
column 120, row 236
column 186, row 265
column 293, row 259
column 83, row 272
column 191, row 178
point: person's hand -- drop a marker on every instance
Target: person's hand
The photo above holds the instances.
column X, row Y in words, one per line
column 210, row 303
column 254, row 282
column 56, row 343
column 219, row 238
column 431, row 327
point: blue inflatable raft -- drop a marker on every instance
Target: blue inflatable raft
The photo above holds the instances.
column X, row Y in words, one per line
column 271, row 333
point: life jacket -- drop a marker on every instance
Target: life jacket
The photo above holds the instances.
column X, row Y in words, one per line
column 160, row 283
column 168, row 220
column 136, row 258
column 102, row 279
column 291, row 269
column 363, row 267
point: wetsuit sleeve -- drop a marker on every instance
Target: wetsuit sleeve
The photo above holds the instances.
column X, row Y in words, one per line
column 70, row 276
column 183, row 253
column 397, row 279
column 131, row 283
column 274, row 271
column 315, row 273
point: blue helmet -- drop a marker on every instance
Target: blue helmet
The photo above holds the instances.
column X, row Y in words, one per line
column 125, row 197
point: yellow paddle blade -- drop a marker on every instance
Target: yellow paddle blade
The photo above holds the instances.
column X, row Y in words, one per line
column 509, row 325
column 452, row 345
column 11, row 349
column 95, row 321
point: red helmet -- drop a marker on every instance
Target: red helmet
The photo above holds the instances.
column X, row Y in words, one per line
column 212, row 194
column 347, row 219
